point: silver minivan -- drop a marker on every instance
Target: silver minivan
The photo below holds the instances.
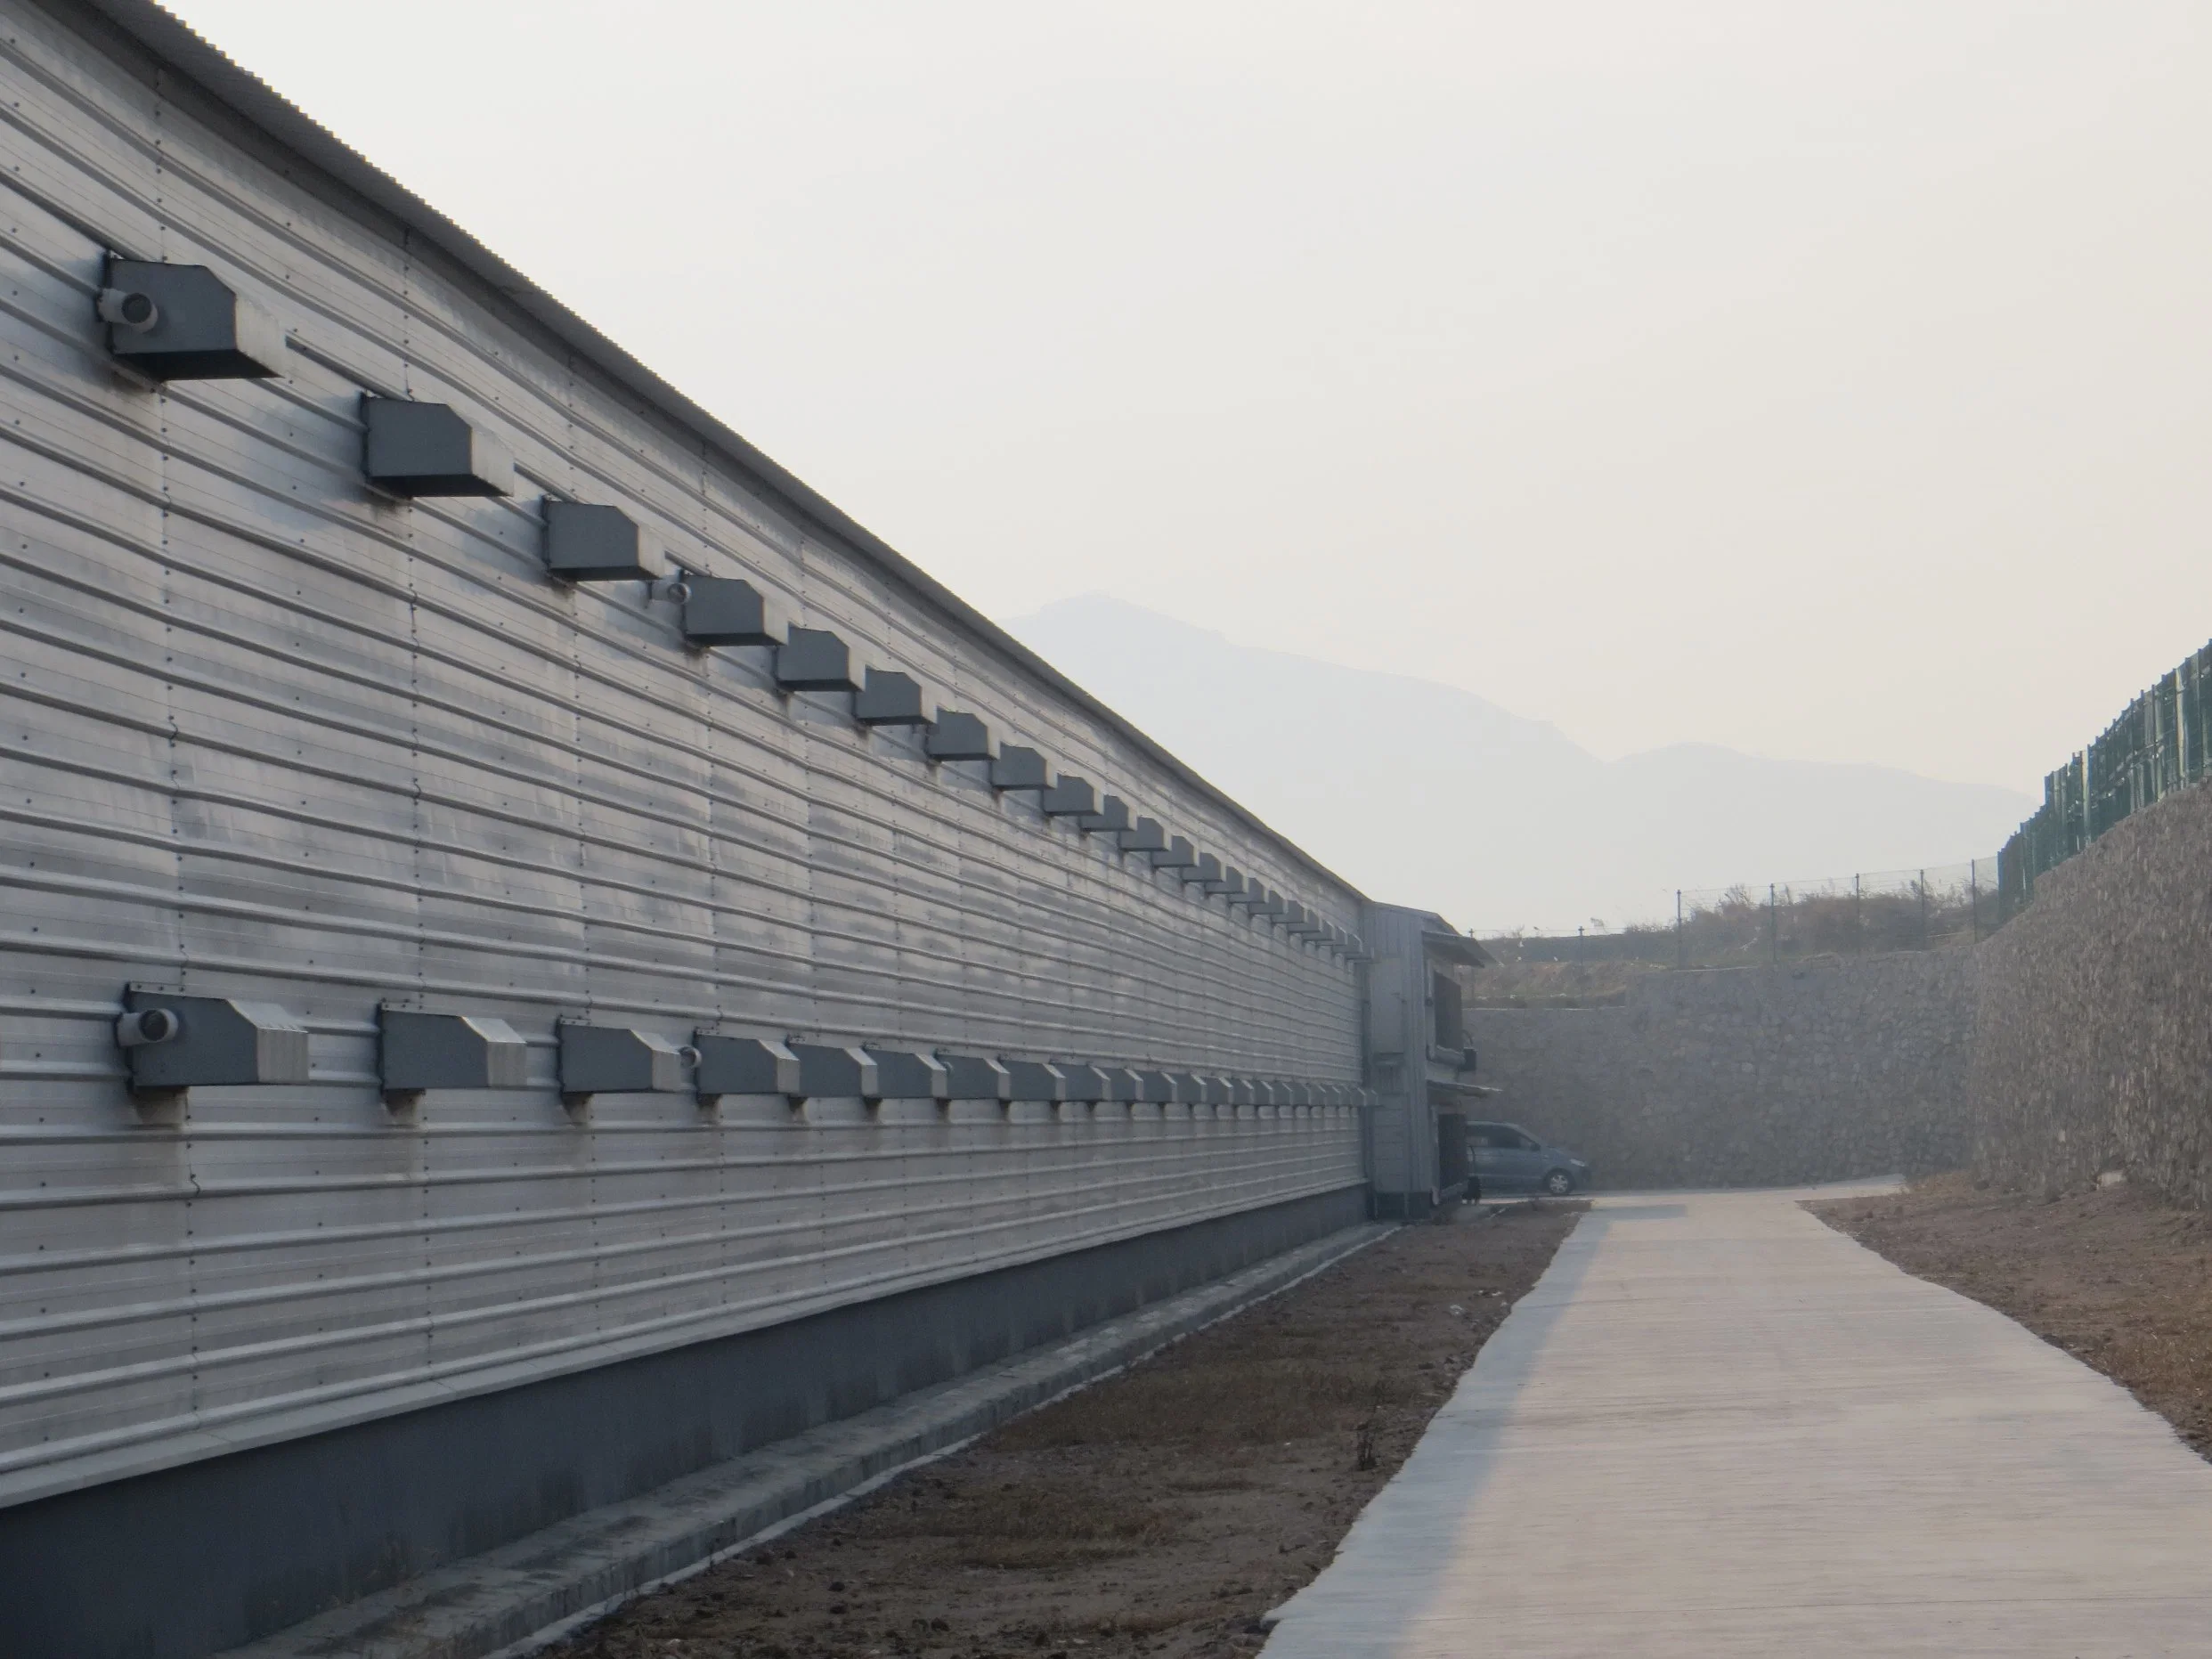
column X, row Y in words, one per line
column 1508, row 1158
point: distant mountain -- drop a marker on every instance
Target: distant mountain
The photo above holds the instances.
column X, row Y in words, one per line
column 1424, row 794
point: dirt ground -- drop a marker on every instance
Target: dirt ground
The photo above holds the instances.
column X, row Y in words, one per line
column 1161, row 1511
column 2118, row 1279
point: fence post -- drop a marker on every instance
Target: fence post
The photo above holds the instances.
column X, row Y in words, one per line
column 1973, row 896
column 1681, row 955
column 1923, row 910
column 1858, row 918
column 1774, row 929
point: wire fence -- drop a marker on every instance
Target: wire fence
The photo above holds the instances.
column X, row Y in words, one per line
column 2161, row 744
column 1865, row 914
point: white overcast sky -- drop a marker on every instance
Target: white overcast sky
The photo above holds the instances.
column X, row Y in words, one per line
column 1830, row 381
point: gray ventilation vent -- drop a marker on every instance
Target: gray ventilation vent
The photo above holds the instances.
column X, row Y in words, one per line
column 1017, row 767
column 975, row 1078
column 1112, row 816
column 586, row 542
column 830, row 1072
column 173, row 1042
column 889, row 698
column 813, row 659
column 1180, row 855
column 903, row 1075
column 724, row 611
column 1147, row 836
column 746, row 1065
column 1084, row 1083
column 615, row 1059
column 419, row 1052
column 1069, row 798
column 957, row 736
column 1036, row 1080
column 425, row 449
column 180, row 322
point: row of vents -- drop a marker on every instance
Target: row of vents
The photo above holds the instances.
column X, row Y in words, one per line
column 174, row 1043
column 173, row 321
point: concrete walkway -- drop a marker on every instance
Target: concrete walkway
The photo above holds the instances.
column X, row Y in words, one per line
column 1718, row 1427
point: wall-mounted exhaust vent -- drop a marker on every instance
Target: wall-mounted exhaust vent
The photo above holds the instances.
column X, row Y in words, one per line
column 1156, row 1088
column 1084, row 1083
column 1111, row 818
column 958, row 735
column 975, row 1078
column 889, row 698
column 1180, row 855
column 1017, row 767
column 416, row 1052
column 615, row 1059
column 1145, row 836
column 1190, row 1087
column 905, row 1075
column 1036, row 1080
column 1205, row 872
column 746, row 1065
column 180, row 322
column 173, row 1042
column 588, row 541
column 813, row 659
column 425, row 449
column 724, row 611
column 1069, row 798
column 833, row 1072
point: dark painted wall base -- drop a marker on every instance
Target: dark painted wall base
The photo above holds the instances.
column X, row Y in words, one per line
column 195, row 1559
column 1407, row 1206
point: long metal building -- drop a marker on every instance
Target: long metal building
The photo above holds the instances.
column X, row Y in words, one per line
column 537, row 955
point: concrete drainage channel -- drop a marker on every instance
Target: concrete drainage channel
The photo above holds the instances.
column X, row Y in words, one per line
column 519, row 1598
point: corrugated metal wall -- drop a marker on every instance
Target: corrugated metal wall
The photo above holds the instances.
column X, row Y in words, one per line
column 267, row 734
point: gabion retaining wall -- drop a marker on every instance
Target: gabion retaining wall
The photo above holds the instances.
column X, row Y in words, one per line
column 1748, row 1077
column 2094, row 1042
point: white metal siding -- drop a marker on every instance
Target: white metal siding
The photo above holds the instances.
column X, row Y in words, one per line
column 264, row 735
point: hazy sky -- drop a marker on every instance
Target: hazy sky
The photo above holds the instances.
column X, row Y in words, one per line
column 1834, row 381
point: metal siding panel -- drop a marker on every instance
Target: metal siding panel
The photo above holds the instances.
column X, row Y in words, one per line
column 303, row 744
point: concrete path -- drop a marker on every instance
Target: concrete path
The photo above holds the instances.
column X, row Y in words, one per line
column 1718, row 1427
